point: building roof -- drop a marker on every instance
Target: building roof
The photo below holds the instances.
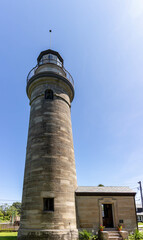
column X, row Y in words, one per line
column 104, row 191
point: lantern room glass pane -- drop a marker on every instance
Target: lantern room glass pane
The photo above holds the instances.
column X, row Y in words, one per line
column 50, row 58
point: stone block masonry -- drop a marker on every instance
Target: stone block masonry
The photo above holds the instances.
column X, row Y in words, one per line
column 48, row 202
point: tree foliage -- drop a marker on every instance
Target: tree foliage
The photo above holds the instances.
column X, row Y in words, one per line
column 17, row 205
column 7, row 211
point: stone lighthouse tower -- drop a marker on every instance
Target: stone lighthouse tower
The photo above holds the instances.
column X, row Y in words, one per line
column 48, row 202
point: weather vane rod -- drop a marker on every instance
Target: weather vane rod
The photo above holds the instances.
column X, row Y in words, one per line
column 50, row 31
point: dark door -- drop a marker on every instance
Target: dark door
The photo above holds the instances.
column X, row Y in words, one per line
column 107, row 215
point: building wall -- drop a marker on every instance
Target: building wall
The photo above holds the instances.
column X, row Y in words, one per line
column 89, row 211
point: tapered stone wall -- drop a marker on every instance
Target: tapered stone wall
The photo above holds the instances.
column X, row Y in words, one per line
column 50, row 165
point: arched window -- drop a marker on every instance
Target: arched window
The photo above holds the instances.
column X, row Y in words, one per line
column 49, row 94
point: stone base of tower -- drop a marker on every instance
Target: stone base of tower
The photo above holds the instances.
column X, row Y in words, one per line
column 36, row 234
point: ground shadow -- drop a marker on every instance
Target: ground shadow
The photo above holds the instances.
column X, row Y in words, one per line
column 8, row 238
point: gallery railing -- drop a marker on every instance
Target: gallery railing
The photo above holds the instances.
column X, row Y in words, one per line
column 58, row 65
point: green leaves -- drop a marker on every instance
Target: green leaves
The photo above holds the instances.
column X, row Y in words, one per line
column 136, row 235
column 17, row 205
column 7, row 212
column 85, row 235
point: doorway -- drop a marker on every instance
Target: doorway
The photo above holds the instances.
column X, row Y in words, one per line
column 107, row 215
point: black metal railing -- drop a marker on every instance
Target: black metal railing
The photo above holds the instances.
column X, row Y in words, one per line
column 58, row 65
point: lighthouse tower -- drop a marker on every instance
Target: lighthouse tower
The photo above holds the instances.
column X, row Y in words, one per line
column 48, row 202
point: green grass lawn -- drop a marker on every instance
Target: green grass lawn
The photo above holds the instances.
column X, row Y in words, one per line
column 140, row 223
column 8, row 235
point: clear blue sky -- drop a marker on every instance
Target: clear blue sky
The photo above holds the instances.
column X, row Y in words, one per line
column 102, row 46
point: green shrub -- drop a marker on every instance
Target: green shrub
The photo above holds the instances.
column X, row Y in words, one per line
column 6, row 218
column 85, row 235
column 136, row 235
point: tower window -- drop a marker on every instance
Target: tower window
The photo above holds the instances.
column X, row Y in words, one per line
column 50, row 56
column 49, row 94
column 48, row 204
